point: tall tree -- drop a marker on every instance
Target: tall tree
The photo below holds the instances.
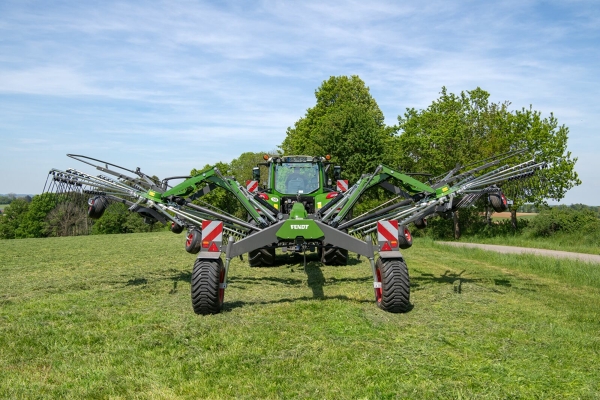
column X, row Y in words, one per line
column 241, row 167
column 459, row 129
column 452, row 130
column 546, row 141
column 346, row 123
column 33, row 223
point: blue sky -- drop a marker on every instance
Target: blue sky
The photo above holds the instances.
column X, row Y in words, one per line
column 174, row 85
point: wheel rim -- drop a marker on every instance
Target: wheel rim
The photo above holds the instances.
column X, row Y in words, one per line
column 503, row 197
column 190, row 237
column 407, row 235
column 378, row 290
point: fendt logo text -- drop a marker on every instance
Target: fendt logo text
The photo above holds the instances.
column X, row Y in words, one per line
column 299, row 226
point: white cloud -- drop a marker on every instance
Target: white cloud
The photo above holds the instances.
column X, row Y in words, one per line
column 197, row 80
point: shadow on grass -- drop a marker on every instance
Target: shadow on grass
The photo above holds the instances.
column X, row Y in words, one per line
column 136, row 282
column 232, row 305
column 316, row 280
column 250, row 280
column 418, row 282
column 298, row 258
column 447, row 278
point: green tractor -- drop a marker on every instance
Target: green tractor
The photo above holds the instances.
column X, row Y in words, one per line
column 299, row 187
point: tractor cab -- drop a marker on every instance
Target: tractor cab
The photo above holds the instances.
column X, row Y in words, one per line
column 298, row 179
column 292, row 178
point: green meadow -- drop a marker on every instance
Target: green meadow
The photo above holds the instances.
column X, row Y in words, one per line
column 109, row 316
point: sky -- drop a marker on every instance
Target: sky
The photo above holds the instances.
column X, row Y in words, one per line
column 168, row 86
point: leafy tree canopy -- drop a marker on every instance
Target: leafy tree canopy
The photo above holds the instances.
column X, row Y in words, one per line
column 460, row 129
column 346, row 123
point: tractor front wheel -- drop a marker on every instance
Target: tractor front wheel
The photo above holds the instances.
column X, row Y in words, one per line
column 207, row 293
column 394, row 294
column 331, row 255
column 261, row 257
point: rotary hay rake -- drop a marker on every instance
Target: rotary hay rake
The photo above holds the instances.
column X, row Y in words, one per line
column 298, row 210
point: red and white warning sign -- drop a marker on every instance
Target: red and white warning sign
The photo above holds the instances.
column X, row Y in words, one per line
column 387, row 235
column 252, row 186
column 212, row 235
column 342, row 185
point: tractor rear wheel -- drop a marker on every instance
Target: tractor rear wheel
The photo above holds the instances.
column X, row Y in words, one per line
column 498, row 201
column 207, row 293
column 331, row 255
column 261, row 257
column 394, row 294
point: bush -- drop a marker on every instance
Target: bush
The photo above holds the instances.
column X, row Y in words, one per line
column 563, row 219
column 117, row 219
column 12, row 219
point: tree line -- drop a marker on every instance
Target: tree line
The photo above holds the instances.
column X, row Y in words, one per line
column 9, row 198
column 347, row 123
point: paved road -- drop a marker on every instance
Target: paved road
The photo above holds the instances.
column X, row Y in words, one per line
column 521, row 250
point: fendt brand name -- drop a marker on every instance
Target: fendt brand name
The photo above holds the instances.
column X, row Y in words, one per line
column 299, row 226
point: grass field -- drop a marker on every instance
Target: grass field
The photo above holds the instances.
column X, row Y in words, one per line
column 110, row 317
column 3, row 206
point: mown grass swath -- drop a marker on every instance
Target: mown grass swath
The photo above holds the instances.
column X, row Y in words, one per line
column 109, row 316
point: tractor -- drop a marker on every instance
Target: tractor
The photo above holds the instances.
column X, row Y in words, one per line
column 298, row 187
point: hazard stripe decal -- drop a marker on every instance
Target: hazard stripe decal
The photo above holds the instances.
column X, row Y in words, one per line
column 252, row 186
column 387, row 231
column 342, row 185
column 212, row 231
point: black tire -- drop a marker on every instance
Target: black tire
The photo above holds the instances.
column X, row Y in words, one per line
column 498, row 201
column 404, row 237
column 96, row 206
column 262, row 257
column 207, row 294
column 193, row 241
column 394, row 294
column 331, row 255
column 421, row 223
column 176, row 228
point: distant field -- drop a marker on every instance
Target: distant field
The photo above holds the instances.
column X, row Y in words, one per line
column 3, row 206
column 504, row 215
column 110, row 317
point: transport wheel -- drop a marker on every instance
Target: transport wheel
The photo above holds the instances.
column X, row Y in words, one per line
column 331, row 255
column 207, row 293
column 394, row 294
column 176, row 228
column 404, row 237
column 421, row 223
column 96, row 206
column 262, row 257
column 498, row 201
column 193, row 241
